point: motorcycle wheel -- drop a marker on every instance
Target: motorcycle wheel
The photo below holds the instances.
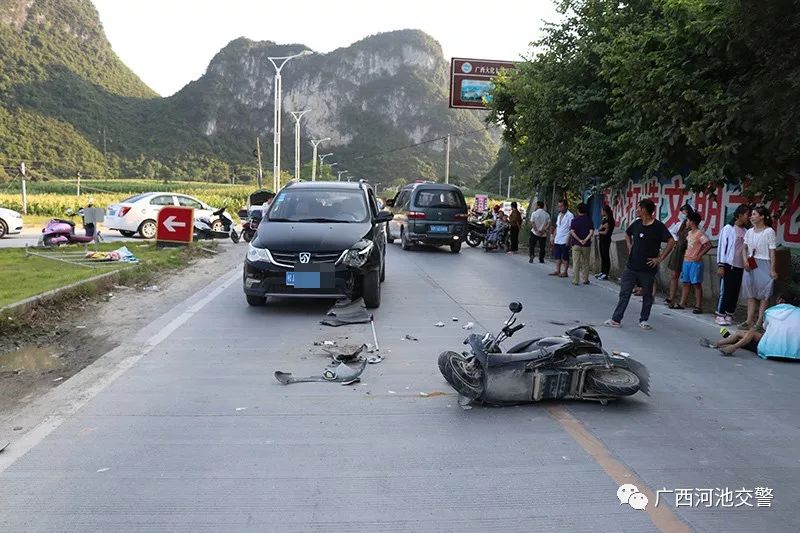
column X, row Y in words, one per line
column 473, row 239
column 614, row 382
column 247, row 235
column 465, row 376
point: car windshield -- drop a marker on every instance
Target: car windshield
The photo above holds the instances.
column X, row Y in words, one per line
column 319, row 205
column 439, row 198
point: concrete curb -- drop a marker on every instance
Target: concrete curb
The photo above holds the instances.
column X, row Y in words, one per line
column 22, row 306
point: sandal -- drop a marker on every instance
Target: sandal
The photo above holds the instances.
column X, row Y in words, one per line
column 745, row 325
column 697, row 311
column 612, row 324
column 676, row 306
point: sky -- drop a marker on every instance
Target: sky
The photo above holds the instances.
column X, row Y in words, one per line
column 169, row 43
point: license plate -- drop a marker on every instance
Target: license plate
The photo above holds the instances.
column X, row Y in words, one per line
column 303, row 280
column 439, row 229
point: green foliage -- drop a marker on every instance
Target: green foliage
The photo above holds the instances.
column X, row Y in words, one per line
column 705, row 88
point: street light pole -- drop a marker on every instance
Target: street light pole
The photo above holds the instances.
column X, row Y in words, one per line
column 322, row 160
column 340, row 174
column 315, row 143
column 447, row 161
column 297, row 116
column 278, row 63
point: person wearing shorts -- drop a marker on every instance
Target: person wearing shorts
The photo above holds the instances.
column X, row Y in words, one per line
column 698, row 245
column 561, row 238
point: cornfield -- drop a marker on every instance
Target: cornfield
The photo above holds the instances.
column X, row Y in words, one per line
column 56, row 198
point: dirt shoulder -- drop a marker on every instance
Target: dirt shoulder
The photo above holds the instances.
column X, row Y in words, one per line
column 65, row 338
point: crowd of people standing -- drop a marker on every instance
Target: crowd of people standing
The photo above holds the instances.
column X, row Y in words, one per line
column 746, row 265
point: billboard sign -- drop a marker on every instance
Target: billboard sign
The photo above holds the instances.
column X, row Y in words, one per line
column 471, row 81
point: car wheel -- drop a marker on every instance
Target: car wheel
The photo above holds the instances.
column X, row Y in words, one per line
column 148, row 229
column 455, row 247
column 404, row 242
column 127, row 233
column 256, row 301
column 371, row 287
column 3, row 229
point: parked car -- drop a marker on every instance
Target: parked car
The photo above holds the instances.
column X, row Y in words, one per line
column 428, row 213
column 138, row 214
column 507, row 209
column 323, row 239
column 10, row 222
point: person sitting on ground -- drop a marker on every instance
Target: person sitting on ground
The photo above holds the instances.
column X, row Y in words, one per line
column 779, row 338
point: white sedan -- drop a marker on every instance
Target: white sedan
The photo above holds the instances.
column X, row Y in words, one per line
column 138, row 214
column 10, row 222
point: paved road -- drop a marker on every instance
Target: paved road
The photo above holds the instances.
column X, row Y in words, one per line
column 31, row 237
column 197, row 435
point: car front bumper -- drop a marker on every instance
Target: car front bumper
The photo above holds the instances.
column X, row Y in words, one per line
column 261, row 278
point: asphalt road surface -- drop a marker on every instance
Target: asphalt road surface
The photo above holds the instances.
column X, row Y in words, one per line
column 192, row 432
column 31, row 237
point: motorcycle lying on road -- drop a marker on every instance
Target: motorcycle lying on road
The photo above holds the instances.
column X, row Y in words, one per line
column 573, row 366
column 58, row 231
column 222, row 228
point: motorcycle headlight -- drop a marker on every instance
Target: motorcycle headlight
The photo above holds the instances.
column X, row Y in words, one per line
column 358, row 254
column 258, row 254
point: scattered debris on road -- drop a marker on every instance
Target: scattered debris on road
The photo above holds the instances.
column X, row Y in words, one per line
column 58, row 379
column 439, row 324
column 101, row 470
column 17, row 428
column 4, row 445
column 338, row 374
column 409, row 338
column 241, row 408
column 468, row 325
column 152, row 288
column 454, row 319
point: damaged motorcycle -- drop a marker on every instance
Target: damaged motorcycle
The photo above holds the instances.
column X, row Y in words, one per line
column 573, row 366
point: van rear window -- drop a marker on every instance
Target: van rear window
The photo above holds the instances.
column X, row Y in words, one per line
column 439, row 198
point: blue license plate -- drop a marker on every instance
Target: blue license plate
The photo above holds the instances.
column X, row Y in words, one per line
column 303, row 280
column 439, row 229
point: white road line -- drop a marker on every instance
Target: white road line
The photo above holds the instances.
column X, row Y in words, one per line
column 38, row 433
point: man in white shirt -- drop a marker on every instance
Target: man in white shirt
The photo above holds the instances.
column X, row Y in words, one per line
column 540, row 223
column 561, row 239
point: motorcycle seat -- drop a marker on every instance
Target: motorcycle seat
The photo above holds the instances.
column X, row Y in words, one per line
column 535, row 344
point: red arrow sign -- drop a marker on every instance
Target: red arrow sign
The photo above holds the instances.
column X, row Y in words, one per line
column 175, row 224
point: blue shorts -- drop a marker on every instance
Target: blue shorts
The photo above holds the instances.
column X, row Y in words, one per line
column 692, row 272
column 561, row 252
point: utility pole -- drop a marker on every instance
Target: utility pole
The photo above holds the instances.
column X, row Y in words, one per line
column 447, row 160
column 260, row 170
column 322, row 162
column 79, row 183
column 105, row 156
column 500, row 184
column 509, row 187
column 24, row 191
column 297, row 116
column 315, row 143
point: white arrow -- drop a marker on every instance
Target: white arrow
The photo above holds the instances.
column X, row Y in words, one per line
column 170, row 224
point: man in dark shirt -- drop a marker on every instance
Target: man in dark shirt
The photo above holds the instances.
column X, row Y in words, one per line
column 581, row 231
column 644, row 238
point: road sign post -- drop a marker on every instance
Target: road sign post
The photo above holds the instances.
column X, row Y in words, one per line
column 175, row 226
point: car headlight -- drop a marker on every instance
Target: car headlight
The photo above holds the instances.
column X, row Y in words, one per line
column 16, row 215
column 358, row 254
column 258, row 254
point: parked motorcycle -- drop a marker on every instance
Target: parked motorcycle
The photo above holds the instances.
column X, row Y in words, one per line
column 58, row 231
column 204, row 228
column 476, row 233
column 573, row 366
column 251, row 216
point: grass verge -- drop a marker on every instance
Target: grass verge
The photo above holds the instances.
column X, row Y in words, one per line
column 24, row 277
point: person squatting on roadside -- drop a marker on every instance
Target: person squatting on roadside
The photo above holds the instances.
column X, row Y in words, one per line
column 540, row 223
column 561, row 239
column 698, row 245
column 581, row 232
column 515, row 223
column 779, row 339
column 604, row 233
column 643, row 237
column 730, row 264
column 758, row 255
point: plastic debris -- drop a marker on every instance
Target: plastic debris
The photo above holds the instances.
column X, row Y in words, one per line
column 409, row 338
column 468, row 325
column 342, row 356
column 100, row 470
column 57, row 379
column 392, row 392
column 339, row 374
column 152, row 288
column 439, row 324
column 454, row 319
column 375, row 359
column 17, row 428
column 241, row 408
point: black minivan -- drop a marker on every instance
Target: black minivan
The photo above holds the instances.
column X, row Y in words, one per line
column 428, row 213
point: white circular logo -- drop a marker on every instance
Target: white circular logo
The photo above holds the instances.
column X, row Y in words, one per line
column 466, row 68
column 305, row 257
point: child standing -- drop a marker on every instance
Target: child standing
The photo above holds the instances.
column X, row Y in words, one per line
column 697, row 245
column 730, row 264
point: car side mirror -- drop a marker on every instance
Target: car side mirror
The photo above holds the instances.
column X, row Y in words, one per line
column 515, row 307
column 390, row 203
column 384, row 216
